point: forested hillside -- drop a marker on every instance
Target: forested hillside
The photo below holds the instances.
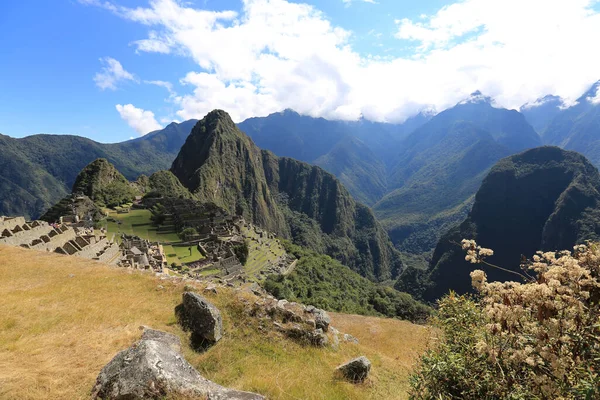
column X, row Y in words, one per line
column 39, row 170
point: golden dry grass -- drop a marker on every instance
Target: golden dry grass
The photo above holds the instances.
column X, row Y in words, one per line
column 63, row 318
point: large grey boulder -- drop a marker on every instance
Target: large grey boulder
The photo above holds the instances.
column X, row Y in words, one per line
column 154, row 368
column 201, row 317
column 356, row 370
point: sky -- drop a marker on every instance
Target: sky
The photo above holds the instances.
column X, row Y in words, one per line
column 112, row 70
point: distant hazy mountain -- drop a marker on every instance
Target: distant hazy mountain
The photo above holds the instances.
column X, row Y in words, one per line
column 441, row 165
column 542, row 111
column 219, row 163
column 355, row 151
column 578, row 127
column 39, row 170
column 353, row 163
column 542, row 199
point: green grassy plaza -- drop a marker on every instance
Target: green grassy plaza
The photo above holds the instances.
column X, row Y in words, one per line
column 137, row 222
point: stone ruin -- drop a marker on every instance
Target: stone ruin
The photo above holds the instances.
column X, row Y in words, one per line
column 140, row 253
column 57, row 238
column 218, row 234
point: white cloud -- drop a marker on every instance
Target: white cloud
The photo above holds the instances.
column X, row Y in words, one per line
column 112, row 74
column 274, row 54
column 141, row 120
column 348, row 2
column 163, row 84
column 596, row 98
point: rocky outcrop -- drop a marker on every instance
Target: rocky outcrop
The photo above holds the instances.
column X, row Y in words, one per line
column 199, row 316
column 356, row 370
column 153, row 368
column 304, row 324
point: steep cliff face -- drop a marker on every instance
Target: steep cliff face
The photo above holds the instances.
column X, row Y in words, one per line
column 219, row 163
column 542, row 199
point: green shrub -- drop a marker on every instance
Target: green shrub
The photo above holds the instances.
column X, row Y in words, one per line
column 241, row 252
column 187, row 234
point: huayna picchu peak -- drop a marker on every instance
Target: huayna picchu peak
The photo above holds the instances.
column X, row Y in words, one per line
column 219, row 163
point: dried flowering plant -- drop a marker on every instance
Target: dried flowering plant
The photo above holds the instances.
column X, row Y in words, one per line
column 534, row 340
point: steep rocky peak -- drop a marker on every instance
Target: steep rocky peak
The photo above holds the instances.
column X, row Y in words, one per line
column 218, row 123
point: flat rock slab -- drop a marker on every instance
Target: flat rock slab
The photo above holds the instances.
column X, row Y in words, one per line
column 152, row 368
column 356, row 370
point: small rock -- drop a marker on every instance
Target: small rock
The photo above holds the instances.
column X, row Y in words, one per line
column 310, row 309
column 71, row 275
column 350, row 338
column 160, row 287
column 356, row 370
column 318, row 338
column 281, row 303
column 256, row 289
column 211, row 288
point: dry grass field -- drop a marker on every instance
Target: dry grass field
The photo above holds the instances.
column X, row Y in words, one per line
column 63, row 318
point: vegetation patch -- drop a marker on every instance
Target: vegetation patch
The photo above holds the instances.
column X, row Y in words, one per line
column 326, row 283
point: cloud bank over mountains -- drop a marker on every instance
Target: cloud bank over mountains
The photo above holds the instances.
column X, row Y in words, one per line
column 273, row 54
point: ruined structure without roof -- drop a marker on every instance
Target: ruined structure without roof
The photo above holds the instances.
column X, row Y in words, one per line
column 218, row 234
column 58, row 238
column 140, row 253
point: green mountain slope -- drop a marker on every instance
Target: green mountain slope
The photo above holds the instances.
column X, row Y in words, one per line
column 325, row 283
column 440, row 166
column 441, row 181
column 545, row 198
column 103, row 184
column 39, row 170
column 220, row 164
column 355, row 165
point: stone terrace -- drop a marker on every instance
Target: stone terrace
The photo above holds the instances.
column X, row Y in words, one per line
column 58, row 238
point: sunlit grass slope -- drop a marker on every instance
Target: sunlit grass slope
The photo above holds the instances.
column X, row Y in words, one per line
column 63, row 318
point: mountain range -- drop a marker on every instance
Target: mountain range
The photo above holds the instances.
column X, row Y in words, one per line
column 419, row 177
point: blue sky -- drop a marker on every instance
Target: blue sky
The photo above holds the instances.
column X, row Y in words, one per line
column 92, row 67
